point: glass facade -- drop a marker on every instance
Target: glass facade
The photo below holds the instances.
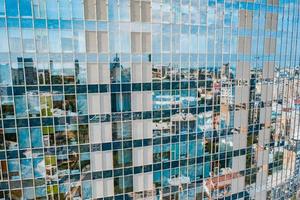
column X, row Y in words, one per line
column 140, row 99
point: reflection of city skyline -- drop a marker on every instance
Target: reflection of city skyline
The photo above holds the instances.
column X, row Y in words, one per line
column 140, row 99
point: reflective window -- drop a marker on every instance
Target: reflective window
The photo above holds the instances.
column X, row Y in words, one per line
column 52, row 9
column 65, row 9
column 15, row 42
column 26, row 168
column 24, row 138
column 2, row 7
column 25, row 8
column 20, row 105
column 36, row 137
column 113, row 11
column 41, row 40
column 28, row 40
column 3, row 41
column 54, row 41
column 120, row 102
column 12, row 8
column 77, row 11
column 5, row 74
column 39, row 8
column 14, row 169
column 66, row 40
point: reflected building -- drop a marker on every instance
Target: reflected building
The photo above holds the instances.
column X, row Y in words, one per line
column 141, row 99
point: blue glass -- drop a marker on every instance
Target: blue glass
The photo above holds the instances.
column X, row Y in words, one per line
column 20, row 105
column 5, row 74
column 2, row 7
column 82, row 104
column 40, row 23
column 2, row 22
column 24, row 138
column 26, row 23
column 26, row 168
column 65, row 9
column 13, row 22
column 12, row 8
column 77, row 11
column 113, row 11
column 28, row 193
column 39, row 167
column 13, row 166
column 87, row 190
column 41, row 192
column 36, row 137
column 52, row 9
column 25, row 8
column 53, row 24
column 66, row 24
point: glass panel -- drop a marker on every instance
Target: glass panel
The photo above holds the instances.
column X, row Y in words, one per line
column 82, row 104
column 79, row 41
column 113, row 11
column 26, row 168
column 24, row 138
column 126, row 102
column 12, row 8
column 65, row 9
column 36, row 137
column 52, row 9
column 77, row 11
column 7, row 106
column 5, row 74
column 3, row 41
column 66, row 40
column 54, row 41
column 41, row 40
column 25, row 8
column 20, row 105
column 13, row 169
column 39, row 8
column 2, row 7
column 11, row 139
column 15, row 42
column 39, row 167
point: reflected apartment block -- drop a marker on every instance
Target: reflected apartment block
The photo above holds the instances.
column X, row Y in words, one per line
column 149, row 99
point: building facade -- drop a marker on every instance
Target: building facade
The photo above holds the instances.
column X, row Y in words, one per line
column 140, row 99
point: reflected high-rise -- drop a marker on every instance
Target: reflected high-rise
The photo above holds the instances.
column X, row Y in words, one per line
column 140, row 99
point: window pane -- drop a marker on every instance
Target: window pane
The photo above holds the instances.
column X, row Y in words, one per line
column 2, row 8
column 28, row 40
column 11, row 139
column 126, row 102
column 25, row 8
column 54, row 41
column 65, row 9
column 26, row 168
column 52, row 9
column 12, row 8
column 24, row 141
column 116, row 102
column 77, row 11
column 79, row 41
column 33, row 106
column 82, row 104
column 41, row 40
column 20, row 105
column 15, row 42
column 5, row 75
column 66, row 40
column 3, row 41
column 113, row 13
column 39, row 8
